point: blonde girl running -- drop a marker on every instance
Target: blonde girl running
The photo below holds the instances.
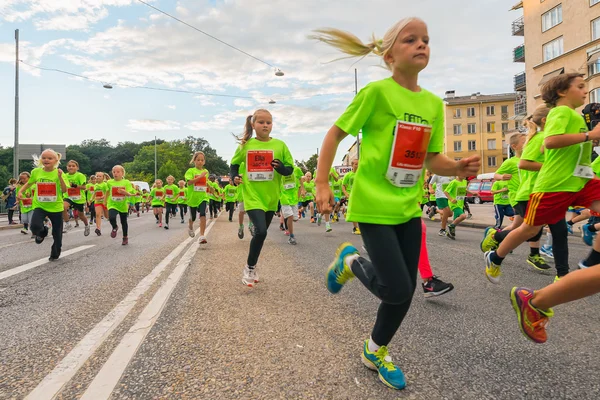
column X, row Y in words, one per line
column 182, row 200
column 26, row 203
column 157, row 195
column 403, row 131
column 170, row 197
column 47, row 200
column 75, row 198
column 197, row 194
column 98, row 201
column 116, row 201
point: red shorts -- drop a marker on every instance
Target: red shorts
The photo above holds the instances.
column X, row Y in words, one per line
column 100, row 205
column 549, row 208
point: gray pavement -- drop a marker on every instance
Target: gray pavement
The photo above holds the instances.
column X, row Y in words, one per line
column 287, row 337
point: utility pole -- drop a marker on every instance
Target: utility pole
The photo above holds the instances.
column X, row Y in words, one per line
column 355, row 93
column 16, row 146
column 155, row 161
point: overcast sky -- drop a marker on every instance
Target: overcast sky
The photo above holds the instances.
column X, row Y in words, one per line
column 126, row 42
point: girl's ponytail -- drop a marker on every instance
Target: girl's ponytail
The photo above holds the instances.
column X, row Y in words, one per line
column 248, row 129
column 536, row 120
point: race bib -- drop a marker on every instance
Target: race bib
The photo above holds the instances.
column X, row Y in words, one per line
column 99, row 194
column 200, row 186
column 461, row 193
column 232, row 193
column 74, row 194
column 182, row 195
column 169, row 194
column 46, row 192
column 583, row 169
column 158, row 193
column 27, row 202
column 504, row 196
column 116, row 196
column 408, row 153
column 258, row 165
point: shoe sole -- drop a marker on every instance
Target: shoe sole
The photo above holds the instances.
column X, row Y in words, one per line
column 245, row 283
column 338, row 251
column 515, row 305
column 483, row 240
column 434, row 294
column 538, row 268
column 367, row 363
column 328, row 230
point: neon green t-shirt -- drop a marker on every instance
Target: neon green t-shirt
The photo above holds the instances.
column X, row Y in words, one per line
column 348, row 181
column 26, row 203
column 230, row 193
column 511, row 166
column 531, row 152
column 290, row 186
column 115, row 200
column 76, row 195
column 561, row 171
column 458, row 191
column 182, row 195
column 89, row 190
column 425, row 198
column 156, row 195
column 337, row 189
column 379, row 109
column 501, row 199
column 309, row 187
column 47, row 192
column 170, row 193
column 596, row 166
column 432, row 195
column 262, row 184
column 196, row 193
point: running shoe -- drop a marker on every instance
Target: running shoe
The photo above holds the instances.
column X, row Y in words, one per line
column 182, row 221
column 436, row 287
column 547, row 251
column 442, row 232
column 52, row 259
column 191, row 233
column 98, row 232
column 113, row 233
column 469, row 216
column 39, row 239
column 86, row 230
column 339, row 272
column 286, row 233
column 356, row 231
column 488, row 243
column 581, row 265
column 160, row 225
column 67, row 227
column 538, row 262
column 319, row 219
column 248, row 276
column 451, row 233
column 492, row 271
column 281, row 227
column 312, row 220
column 202, row 240
column 138, row 214
column 166, row 226
column 241, row 232
column 328, row 227
column 588, row 236
column 125, row 241
column 557, row 278
column 381, row 361
column 24, row 231
column 570, row 228
column 157, row 221
column 292, row 240
column 431, row 213
column 532, row 320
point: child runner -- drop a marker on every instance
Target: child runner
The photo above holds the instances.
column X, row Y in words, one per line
column 182, row 200
column 230, row 198
column 118, row 190
column 171, row 191
column 267, row 160
column 290, row 187
column 89, row 189
column 137, row 200
column 75, row 198
column 197, row 194
column 455, row 192
column 439, row 184
column 347, row 185
column 402, row 129
column 157, row 196
column 502, row 206
column 565, row 178
column 26, row 202
column 213, row 195
column 240, row 200
column 47, row 200
column 98, row 200
column 145, row 201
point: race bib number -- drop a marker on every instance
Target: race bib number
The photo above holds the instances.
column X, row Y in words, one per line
column 258, row 165
column 182, row 195
column 99, row 194
column 28, row 202
column 46, row 192
column 408, row 153
column 158, row 193
column 232, row 193
column 461, row 193
column 289, row 186
column 583, row 169
column 200, row 186
column 289, row 182
column 74, row 194
column 116, row 196
column 169, row 194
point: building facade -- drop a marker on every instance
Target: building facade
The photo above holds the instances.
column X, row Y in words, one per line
column 479, row 124
column 560, row 36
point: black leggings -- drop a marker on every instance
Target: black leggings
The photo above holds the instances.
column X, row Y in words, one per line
column 391, row 274
column 212, row 207
column 11, row 214
column 170, row 209
column 200, row 209
column 137, row 207
column 230, row 207
column 261, row 221
column 112, row 217
column 560, row 247
column 182, row 210
column 38, row 228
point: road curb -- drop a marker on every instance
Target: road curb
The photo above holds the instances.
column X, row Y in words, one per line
column 7, row 227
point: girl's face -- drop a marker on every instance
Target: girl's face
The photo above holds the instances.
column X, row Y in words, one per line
column 308, row 176
column 263, row 125
column 158, row 184
column 519, row 146
column 236, row 180
column 577, row 93
column 354, row 165
column 99, row 177
column 181, row 184
column 93, row 179
column 410, row 51
column 48, row 159
column 199, row 161
column 118, row 173
column 170, row 180
column 72, row 168
column 23, row 179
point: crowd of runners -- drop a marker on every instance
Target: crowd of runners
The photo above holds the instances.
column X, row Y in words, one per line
column 402, row 170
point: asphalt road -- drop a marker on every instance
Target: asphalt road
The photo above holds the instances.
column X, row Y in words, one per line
column 123, row 322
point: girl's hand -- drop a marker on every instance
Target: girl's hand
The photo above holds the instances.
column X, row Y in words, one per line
column 324, row 198
column 123, row 192
column 60, row 172
column 468, row 166
column 276, row 164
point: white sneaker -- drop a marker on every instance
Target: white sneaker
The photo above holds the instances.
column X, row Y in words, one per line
column 67, row 227
column 248, row 277
column 328, row 227
column 191, row 233
column 86, row 230
column 202, row 240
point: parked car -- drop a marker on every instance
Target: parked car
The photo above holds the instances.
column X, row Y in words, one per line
column 482, row 189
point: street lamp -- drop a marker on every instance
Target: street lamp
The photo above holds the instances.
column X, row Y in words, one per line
column 278, row 72
column 107, row 86
column 272, row 101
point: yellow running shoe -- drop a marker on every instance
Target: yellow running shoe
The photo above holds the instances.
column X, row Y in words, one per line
column 492, row 271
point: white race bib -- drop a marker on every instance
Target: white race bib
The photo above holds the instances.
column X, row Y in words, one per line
column 408, row 153
column 46, row 192
column 258, row 165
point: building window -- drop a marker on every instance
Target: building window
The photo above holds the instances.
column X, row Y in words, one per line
column 504, row 126
column 594, row 62
column 490, row 110
column 471, row 128
column 471, row 112
column 595, row 95
column 491, row 161
column 491, row 144
column 457, row 113
column 596, row 28
column 552, row 18
column 472, row 145
column 553, row 49
column 457, row 146
column 504, row 109
column 491, row 127
column 592, row 2
column 516, row 124
column 458, row 129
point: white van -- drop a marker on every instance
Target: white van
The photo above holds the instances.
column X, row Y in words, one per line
column 142, row 185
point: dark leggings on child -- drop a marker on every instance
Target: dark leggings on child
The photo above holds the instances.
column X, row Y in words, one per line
column 212, row 207
column 137, row 207
column 560, row 247
column 11, row 214
column 261, row 221
column 391, row 274
column 112, row 217
column 170, row 209
column 230, row 207
column 38, row 228
column 182, row 210
column 201, row 209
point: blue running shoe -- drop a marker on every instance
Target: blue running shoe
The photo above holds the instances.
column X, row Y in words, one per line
column 339, row 272
column 547, row 251
column 588, row 236
column 570, row 229
column 380, row 361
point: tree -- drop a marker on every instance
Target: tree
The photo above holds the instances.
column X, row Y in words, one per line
column 309, row 165
column 85, row 165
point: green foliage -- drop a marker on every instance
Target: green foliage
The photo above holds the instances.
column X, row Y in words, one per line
column 309, row 165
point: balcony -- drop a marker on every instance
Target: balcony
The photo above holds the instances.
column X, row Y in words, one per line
column 518, row 27
column 519, row 53
column 521, row 108
column 520, row 82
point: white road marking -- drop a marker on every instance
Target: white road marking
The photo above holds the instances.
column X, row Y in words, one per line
column 35, row 264
column 111, row 372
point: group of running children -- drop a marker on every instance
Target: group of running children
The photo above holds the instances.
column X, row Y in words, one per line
column 402, row 127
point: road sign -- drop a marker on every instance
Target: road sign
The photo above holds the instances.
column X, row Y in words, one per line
column 26, row 151
column 343, row 169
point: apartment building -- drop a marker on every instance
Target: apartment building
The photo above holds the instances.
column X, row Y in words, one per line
column 560, row 36
column 478, row 124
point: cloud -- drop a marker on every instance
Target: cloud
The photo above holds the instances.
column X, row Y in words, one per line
column 171, row 107
column 151, row 125
column 243, row 103
column 206, row 100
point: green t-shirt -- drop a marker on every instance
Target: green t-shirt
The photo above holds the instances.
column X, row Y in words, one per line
column 89, row 190
column 156, row 195
column 240, row 193
column 458, row 191
column 171, row 193
column 531, row 152
column 99, row 192
column 230, row 193
column 425, row 197
column 182, row 195
column 26, row 203
column 290, row 186
column 348, row 181
column 196, row 193
column 596, row 166
column 511, row 166
column 309, row 187
column 379, row 109
column 501, row 199
column 115, row 200
column 47, row 192
column 76, row 195
column 337, row 189
column 561, row 171
column 262, row 184
column 432, row 195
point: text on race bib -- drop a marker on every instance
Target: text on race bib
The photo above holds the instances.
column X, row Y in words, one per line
column 200, row 185
column 169, row 193
column 408, row 153
column 258, row 165
column 116, row 196
column 461, row 193
column 583, row 168
column 158, row 193
column 46, row 192
column 27, row 202
column 74, row 194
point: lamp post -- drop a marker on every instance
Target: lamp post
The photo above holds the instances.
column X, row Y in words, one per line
column 155, row 160
column 16, row 146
